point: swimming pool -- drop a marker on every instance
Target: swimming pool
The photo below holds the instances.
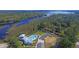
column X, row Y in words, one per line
column 33, row 37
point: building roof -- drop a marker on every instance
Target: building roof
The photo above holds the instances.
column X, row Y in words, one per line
column 29, row 39
column 22, row 35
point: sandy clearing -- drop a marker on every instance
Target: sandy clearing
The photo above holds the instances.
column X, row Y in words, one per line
column 3, row 45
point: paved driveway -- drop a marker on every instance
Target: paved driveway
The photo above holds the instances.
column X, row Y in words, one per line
column 40, row 44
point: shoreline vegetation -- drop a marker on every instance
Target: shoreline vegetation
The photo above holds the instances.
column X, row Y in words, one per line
column 6, row 18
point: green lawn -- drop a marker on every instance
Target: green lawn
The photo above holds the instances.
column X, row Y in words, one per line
column 40, row 33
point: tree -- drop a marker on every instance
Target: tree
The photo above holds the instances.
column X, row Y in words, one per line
column 69, row 39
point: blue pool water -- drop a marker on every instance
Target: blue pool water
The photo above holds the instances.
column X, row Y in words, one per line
column 33, row 37
column 30, row 39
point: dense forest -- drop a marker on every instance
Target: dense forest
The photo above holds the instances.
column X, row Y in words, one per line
column 65, row 26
